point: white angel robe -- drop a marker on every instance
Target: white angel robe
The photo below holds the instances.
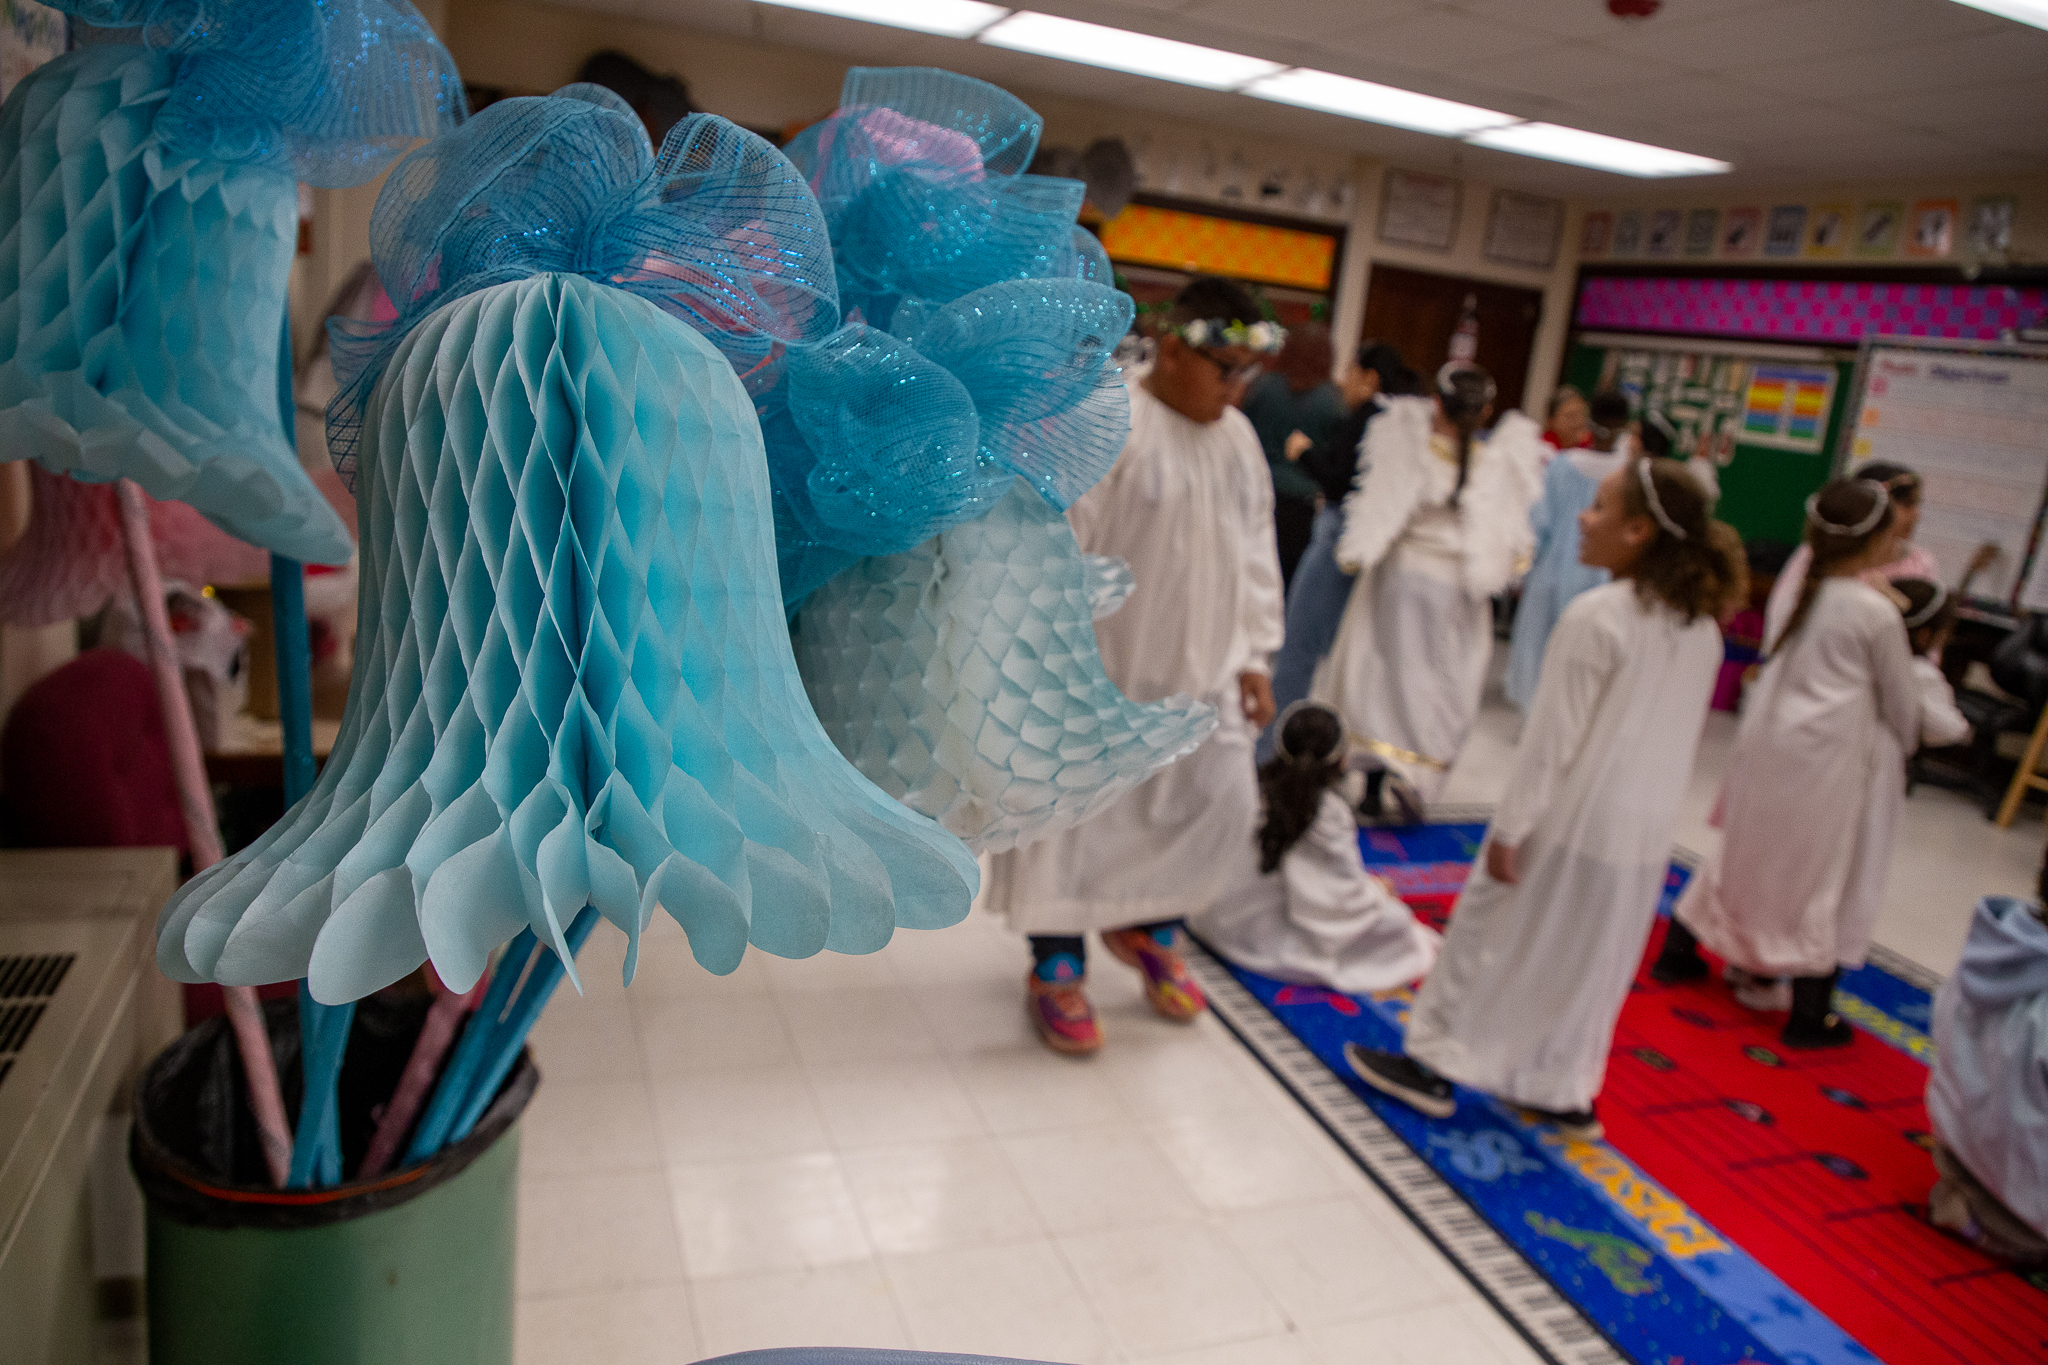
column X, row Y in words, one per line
column 1941, row 722
column 1409, row 663
column 1532, row 977
column 1813, row 793
column 1320, row 918
column 1556, row 576
column 1189, row 506
column 1987, row 1093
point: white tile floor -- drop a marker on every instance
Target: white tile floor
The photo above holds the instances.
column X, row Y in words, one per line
column 875, row 1152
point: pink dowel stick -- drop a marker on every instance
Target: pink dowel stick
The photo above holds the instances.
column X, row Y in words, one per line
column 195, row 800
column 444, row 1021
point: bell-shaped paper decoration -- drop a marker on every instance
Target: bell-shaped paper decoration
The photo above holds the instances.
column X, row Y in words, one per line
column 964, row 678
column 150, row 211
column 70, row 560
column 573, row 680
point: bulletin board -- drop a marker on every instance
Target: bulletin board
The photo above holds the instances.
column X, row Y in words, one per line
column 1770, row 416
column 1972, row 418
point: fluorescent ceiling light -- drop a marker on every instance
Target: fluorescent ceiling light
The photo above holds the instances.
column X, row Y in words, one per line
column 1375, row 103
column 949, row 18
column 2033, row 12
column 1121, row 50
column 1553, row 142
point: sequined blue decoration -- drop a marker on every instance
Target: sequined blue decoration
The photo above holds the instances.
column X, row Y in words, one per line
column 980, row 321
column 573, row 682
column 150, row 213
column 963, row 677
column 962, row 673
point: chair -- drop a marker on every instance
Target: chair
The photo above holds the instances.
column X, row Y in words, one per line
column 2019, row 666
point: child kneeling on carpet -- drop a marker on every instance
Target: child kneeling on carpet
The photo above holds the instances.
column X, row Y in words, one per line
column 1551, row 926
column 1310, row 912
column 1814, row 785
column 1988, row 1091
column 1930, row 613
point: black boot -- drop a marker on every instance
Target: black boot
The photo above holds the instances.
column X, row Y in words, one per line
column 1814, row 1024
column 1680, row 958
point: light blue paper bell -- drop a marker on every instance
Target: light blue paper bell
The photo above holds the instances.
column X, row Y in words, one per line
column 150, row 207
column 573, row 681
column 962, row 674
column 963, row 677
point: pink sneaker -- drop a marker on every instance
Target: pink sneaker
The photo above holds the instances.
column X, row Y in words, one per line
column 1062, row 1014
column 1169, row 986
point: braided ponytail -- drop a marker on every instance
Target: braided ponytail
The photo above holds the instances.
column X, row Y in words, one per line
column 1465, row 395
column 1308, row 759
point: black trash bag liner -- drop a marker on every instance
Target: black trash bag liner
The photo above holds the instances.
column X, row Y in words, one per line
column 194, row 1146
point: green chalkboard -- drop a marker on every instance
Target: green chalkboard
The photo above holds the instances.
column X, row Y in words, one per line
column 1778, row 452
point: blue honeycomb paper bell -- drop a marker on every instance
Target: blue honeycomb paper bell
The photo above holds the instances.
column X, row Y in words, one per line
column 574, row 684
column 963, row 677
column 960, row 673
column 148, row 193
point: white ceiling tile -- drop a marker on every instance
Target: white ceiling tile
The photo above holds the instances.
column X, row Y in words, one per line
column 1437, row 40
column 1951, row 64
column 1589, row 19
column 1821, row 31
column 1570, row 72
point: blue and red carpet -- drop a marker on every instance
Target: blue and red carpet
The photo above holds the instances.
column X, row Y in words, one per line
column 1748, row 1203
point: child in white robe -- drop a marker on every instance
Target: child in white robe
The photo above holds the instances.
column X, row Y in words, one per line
column 1930, row 614
column 1814, row 786
column 1304, row 909
column 1550, row 928
column 1437, row 525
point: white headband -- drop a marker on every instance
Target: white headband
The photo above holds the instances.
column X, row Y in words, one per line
column 1863, row 527
column 1650, row 496
column 1915, row 620
column 1306, row 704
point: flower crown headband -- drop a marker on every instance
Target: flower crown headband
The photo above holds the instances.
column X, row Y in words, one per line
column 1917, row 619
column 1863, row 527
column 1264, row 337
column 1656, row 505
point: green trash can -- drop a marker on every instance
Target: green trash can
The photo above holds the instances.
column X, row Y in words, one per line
column 412, row 1268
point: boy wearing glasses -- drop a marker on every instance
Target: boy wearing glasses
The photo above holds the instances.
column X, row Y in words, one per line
column 1189, row 506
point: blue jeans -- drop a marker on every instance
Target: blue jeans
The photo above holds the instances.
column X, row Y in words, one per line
column 1315, row 607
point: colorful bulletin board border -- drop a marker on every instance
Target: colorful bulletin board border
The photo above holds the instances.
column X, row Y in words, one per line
column 1145, row 234
column 1839, row 311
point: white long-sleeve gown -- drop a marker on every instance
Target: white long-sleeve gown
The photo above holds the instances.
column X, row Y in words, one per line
column 1531, row 979
column 1319, row 918
column 1409, row 664
column 1813, row 793
column 1189, row 506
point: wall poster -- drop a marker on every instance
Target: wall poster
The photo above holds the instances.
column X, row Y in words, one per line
column 1742, row 232
column 1596, row 234
column 1988, row 229
column 1523, row 229
column 1931, row 231
column 1877, row 228
column 1786, row 407
column 1786, row 231
column 1699, row 231
column 1419, row 210
column 1628, row 233
column 1827, row 231
column 1698, row 393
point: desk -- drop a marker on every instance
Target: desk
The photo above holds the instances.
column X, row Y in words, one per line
column 251, row 751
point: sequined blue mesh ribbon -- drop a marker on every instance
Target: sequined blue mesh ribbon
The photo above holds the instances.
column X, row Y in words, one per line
column 328, row 91
column 719, row 231
column 980, row 322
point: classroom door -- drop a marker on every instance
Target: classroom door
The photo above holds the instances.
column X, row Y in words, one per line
column 1416, row 312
